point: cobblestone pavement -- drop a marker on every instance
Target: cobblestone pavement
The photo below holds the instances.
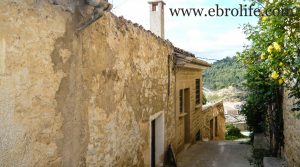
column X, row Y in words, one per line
column 216, row 154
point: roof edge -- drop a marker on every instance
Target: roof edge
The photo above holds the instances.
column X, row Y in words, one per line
column 166, row 41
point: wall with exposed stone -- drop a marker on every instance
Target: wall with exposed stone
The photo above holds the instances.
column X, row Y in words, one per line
column 30, row 122
column 72, row 98
column 291, row 133
column 196, row 119
column 213, row 113
column 125, row 71
column 186, row 79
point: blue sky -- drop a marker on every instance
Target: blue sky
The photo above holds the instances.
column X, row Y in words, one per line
column 207, row 37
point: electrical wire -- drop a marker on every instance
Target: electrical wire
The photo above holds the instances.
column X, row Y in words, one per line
column 207, row 58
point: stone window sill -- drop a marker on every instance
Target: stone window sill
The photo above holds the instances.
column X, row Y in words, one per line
column 182, row 115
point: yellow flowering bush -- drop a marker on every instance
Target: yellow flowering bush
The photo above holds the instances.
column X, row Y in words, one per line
column 277, row 37
column 270, row 48
column 263, row 56
column 270, row 57
column 280, row 64
column 274, row 75
column 277, row 46
column 280, row 81
column 264, row 18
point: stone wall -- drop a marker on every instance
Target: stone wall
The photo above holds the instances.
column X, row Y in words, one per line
column 125, row 71
column 291, row 133
column 186, row 79
column 72, row 98
column 196, row 118
column 213, row 112
column 30, row 122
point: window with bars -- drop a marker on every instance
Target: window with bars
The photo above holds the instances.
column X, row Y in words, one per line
column 197, row 92
column 181, row 100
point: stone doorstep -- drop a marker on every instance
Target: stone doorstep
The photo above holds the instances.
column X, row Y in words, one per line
column 274, row 162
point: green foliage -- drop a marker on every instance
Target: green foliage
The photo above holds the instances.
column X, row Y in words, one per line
column 272, row 62
column 204, row 99
column 275, row 48
column 255, row 114
column 224, row 73
column 228, row 137
column 233, row 133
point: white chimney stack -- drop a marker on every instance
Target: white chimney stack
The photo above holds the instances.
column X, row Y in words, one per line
column 157, row 25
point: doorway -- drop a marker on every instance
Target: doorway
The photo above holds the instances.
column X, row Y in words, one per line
column 211, row 125
column 156, row 139
column 216, row 126
column 153, row 143
column 187, row 118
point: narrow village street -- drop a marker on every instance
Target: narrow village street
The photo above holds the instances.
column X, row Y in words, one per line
column 216, row 154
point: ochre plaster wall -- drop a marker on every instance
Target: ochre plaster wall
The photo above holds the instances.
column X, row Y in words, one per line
column 84, row 98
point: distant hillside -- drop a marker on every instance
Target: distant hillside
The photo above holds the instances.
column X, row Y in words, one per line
column 228, row 94
column 224, row 73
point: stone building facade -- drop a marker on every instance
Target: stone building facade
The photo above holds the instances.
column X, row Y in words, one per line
column 80, row 98
column 104, row 96
column 212, row 124
column 291, row 130
column 188, row 97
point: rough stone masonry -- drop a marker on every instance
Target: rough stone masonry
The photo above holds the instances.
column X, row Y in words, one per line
column 291, row 132
column 72, row 98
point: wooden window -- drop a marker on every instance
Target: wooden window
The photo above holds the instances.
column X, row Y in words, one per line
column 197, row 96
column 181, row 100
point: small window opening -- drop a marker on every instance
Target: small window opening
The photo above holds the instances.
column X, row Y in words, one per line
column 181, row 100
column 198, row 100
column 154, row 7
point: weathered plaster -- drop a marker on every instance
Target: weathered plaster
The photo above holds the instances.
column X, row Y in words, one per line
column 78, row 98
column 30, row 123
column 127, row 84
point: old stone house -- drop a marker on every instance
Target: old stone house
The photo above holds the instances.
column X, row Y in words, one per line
column 212, row 124
column 113, row 94
column 188, row 96
column 190, row 120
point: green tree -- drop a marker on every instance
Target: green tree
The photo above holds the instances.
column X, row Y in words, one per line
column 224, row 73
column 272, row 62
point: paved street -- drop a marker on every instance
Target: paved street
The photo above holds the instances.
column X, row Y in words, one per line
column 215, row 154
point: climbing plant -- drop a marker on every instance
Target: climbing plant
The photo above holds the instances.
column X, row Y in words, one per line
column 273, row 62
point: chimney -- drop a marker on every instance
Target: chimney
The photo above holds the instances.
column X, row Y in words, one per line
column 157, row 25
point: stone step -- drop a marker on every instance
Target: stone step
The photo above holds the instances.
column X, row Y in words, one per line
column 274, row 162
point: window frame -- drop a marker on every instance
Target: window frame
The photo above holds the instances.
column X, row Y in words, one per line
column 181, row 99
column 197, row 91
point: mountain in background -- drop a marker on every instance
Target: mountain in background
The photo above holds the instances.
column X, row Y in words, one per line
column 224, row 73
column 224, row 82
